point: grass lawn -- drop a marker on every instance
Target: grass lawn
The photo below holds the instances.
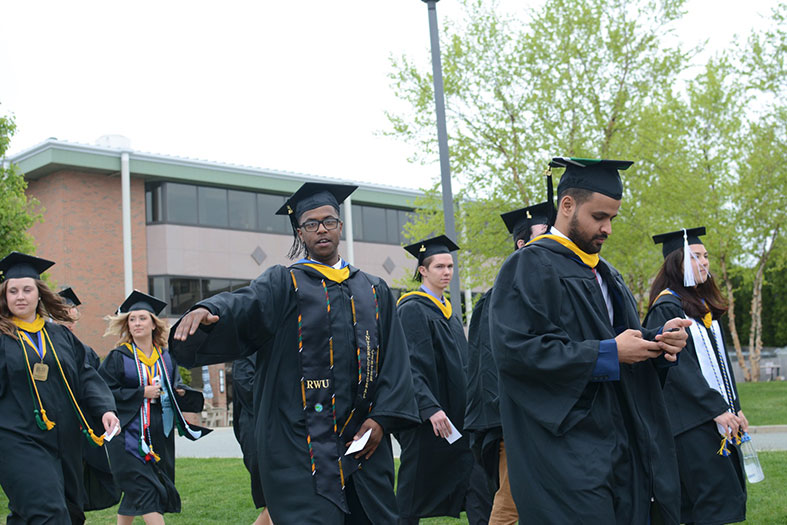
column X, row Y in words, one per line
column 216, row 491
column 764, row 403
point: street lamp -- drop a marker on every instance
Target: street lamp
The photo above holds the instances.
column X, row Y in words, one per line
column 442, row 144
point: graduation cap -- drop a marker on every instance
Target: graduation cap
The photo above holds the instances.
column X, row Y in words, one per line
column 428, row 247
column 681, row 239
column 141, row 301
column 519, row 220
column 313, row 195
column 600, row 176
column 69, row 297
column 16, row 265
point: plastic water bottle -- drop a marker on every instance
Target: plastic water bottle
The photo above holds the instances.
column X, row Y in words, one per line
column 751, row 462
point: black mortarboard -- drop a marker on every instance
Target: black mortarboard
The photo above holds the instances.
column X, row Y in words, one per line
column 522, row 219
column 600, row 176
column 141, row 301
column 674, row 240
column 313, row 195
column 16, row 265
column 69, row 297
column 428, row 247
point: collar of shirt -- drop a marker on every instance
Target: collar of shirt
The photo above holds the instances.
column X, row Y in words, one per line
column 430, row 292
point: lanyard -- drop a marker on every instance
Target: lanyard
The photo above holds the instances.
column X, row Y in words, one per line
column 40, row 348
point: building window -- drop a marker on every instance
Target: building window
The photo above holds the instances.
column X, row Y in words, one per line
column 243, row 210
column 181, row 203
column 213, row 206
column 181, row 293
column 176, row 203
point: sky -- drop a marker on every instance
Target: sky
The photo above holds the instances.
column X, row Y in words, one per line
column 292, row 86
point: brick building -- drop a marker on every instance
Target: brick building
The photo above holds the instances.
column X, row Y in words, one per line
column 196, row 228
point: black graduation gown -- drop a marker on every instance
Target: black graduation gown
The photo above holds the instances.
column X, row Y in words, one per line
column 243, row 371
column 713, row 487
column 579, row 451
column 263, row 317
column 147, row 486
column 101, row 491
column 41, row 471
column 483, row 409
column 433, row 474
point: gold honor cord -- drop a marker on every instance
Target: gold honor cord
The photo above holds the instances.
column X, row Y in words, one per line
column 43, row 422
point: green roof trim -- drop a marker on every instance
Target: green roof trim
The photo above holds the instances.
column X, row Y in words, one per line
column 54, row 155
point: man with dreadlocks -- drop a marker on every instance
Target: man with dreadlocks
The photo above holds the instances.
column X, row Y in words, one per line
column 332, row 368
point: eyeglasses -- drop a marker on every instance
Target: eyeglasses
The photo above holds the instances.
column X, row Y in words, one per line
column 331, row 223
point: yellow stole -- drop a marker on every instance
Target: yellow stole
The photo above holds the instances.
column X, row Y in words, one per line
column 590, row 259
column 337, row 276
column 32, row 328
column 444, row 308
column 149, row 362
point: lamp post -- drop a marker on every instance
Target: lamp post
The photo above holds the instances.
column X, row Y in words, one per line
column 442, row 145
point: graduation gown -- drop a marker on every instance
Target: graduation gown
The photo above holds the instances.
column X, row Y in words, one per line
column 581, row 446
column 243, row 371
column 433, row 474
column 263, row 318
column 41, row 471
column 148, row 486
column 482, row 418
column 713, row 487
column 101, row 491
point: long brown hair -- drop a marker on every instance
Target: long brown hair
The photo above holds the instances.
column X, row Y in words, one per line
column 50, row 304
column 696, row 300
column 118, row 326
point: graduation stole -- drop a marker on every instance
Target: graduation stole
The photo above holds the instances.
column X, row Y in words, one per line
column 590, row 259
column 445, row 309
column 147, row 368
column 324, row 437
column 40, row 372
column 713, row 368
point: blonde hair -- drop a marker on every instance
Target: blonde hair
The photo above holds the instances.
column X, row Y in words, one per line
column 50, row 305
column 118, row 326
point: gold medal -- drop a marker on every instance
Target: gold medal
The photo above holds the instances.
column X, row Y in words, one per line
column 40, row 371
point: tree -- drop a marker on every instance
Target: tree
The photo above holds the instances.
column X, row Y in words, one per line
column 18, row 212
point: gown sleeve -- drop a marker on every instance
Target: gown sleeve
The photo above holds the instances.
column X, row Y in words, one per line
column 247, row 317
column 422, row 359
column 690, row 401
column 541, row 368
column 394, row 406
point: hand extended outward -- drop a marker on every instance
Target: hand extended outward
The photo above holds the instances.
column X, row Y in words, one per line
column 440, row 424
column 109, row 420
column 189, row 323
column 374, row 438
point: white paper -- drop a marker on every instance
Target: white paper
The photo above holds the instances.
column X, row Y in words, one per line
column 108, row 437
column 358, row 444
column 454, row 435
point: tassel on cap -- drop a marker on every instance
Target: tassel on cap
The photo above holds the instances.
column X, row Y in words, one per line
column 688, row 271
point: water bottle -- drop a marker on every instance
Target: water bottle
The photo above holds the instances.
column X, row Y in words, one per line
column 750, row 461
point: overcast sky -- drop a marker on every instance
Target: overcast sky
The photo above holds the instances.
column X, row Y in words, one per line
column 296, row 86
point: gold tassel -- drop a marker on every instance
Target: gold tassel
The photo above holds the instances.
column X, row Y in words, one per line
column 723, row 450
column 48, row 422
column 98, row 440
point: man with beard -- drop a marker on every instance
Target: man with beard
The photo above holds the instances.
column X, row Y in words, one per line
column 332, row 368
column 586, row 429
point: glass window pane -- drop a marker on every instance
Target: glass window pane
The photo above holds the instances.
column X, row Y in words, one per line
column 392, row 226
column 157, row 288
column 267, row 220
column 243, row 210
column 211, row 287
column 404, row 218
column 358, row 222
column 212, row 206
column 184, row 293
column 181, row 203
column 374, row 229
column 148, row 206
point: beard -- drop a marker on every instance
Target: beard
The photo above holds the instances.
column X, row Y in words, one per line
column 584, row 242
